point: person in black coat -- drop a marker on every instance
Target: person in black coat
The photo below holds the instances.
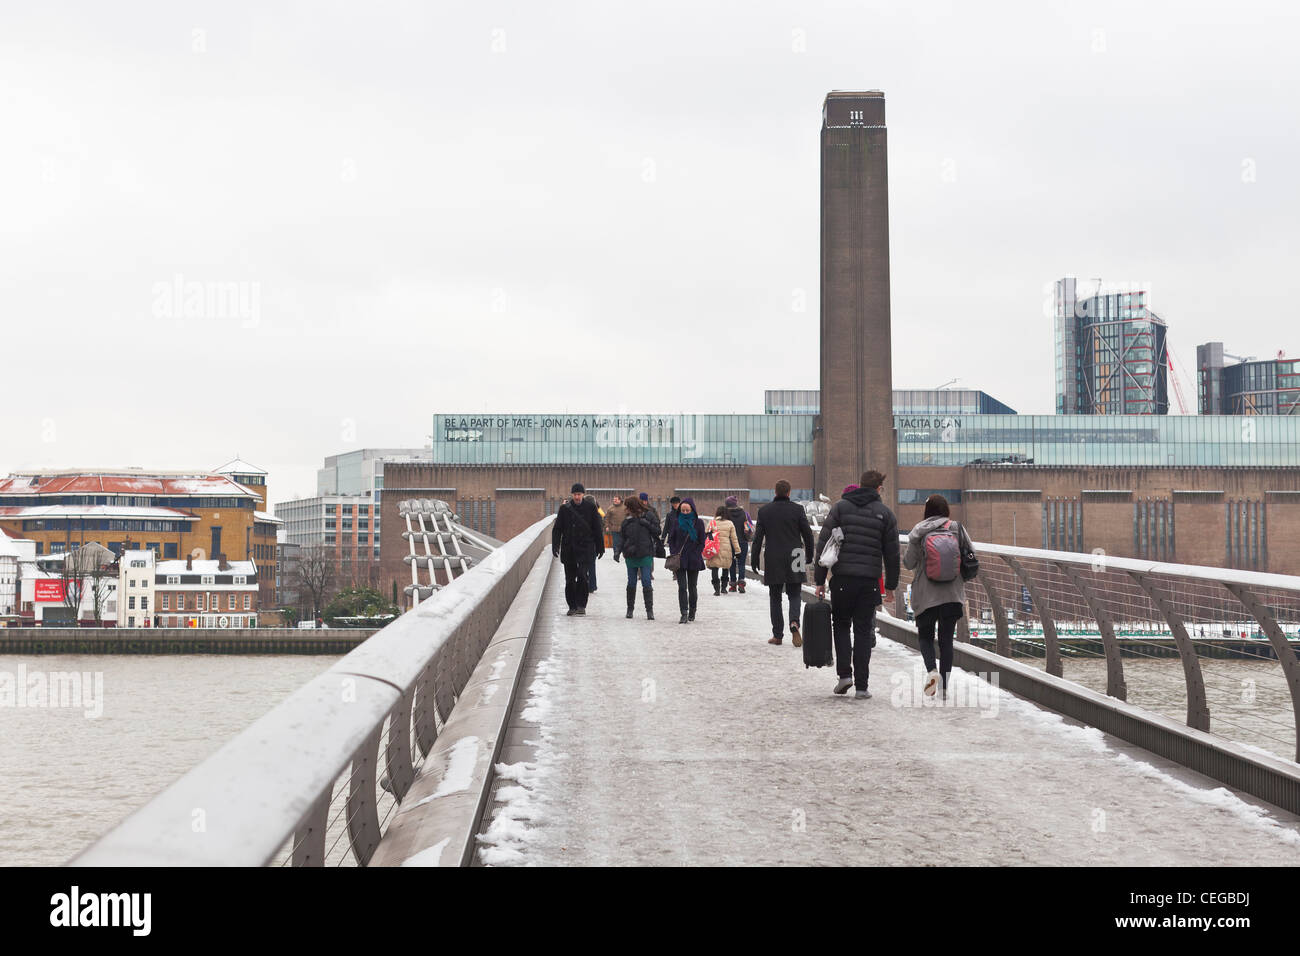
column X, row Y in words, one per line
column 869, row 549
column 740, row 518
column 686, row 533
column 577, row 539
column 672, row 515
column 783, row 527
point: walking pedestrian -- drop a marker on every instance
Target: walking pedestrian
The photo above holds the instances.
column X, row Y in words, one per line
column 639, row 532
column 671, row 517
column 870, row 545
column 686, row 543
column 577, row 539
column 783, row 536
column 934, row 550
column 724, row 533
column 613, row 523
column 650, row 509
column 744, row 532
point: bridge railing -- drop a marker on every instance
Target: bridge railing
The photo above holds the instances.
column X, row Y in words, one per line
column 1104, row 622
column 315, row 781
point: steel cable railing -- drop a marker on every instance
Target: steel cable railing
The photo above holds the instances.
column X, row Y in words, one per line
column 1127, row 628
column 1234, row 634
column 316, row 781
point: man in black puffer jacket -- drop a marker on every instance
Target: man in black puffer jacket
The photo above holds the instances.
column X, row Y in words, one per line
column 869, row 549
column 577, row 539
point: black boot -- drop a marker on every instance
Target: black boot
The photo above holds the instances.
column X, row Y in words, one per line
column 649, row 594
column 631, row 599
column 716, row 592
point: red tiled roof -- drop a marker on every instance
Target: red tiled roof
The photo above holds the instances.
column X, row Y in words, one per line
column 205, row 486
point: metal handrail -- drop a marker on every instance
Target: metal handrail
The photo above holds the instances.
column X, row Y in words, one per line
column 274, row 783
column 1165, row 589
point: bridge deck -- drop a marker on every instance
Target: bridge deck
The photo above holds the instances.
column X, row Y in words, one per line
column 662, row 743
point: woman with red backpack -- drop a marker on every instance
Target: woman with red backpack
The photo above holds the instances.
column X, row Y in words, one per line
column 936, row 550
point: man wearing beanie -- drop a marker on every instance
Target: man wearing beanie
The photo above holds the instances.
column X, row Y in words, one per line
column 577, row 539
column 740, row 518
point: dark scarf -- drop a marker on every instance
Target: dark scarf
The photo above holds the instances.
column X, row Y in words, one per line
column 687, row 523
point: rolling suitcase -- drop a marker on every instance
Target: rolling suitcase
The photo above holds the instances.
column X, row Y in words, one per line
column 818, row 646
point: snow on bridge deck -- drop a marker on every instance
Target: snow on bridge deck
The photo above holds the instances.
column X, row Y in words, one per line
column 667, row 743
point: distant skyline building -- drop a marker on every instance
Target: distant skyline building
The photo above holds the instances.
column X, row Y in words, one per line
column 1250, row 387
column 344, row 513
column 1110, row 352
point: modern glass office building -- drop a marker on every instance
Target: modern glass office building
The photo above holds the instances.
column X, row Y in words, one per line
column 1108, row 440
column 1110, row 353
column 1251, row 387
column 923, row 440
column 563, row 438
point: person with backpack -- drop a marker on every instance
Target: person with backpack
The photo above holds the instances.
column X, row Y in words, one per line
column 638, row 533
column 726, row 544
column 783, row 536
column 577, row 539
column 869, row 546
column 739, row 518
column 686, row 545
column 613, row 523
column 935, row 550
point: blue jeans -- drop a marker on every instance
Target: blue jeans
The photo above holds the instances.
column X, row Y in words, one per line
column 617, row 540
column 737, row 571
column 642, row 573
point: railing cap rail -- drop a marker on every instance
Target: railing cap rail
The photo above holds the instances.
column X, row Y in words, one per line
column 1091, row 560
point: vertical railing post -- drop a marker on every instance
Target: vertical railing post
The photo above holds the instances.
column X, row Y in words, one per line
column 309, row 837
column 400, row 770
column 1286, row 655
column 425, row 715
column 1053, row 648
column 1003, row 646
column 1115, row 686
column 1198, row 708
column 362, row 807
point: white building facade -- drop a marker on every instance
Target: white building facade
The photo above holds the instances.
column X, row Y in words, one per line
column 135, row 589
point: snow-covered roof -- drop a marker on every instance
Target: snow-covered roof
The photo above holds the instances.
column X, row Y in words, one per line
column 238, row 466
column 7, row 547
column 206, row 567
column 263, row 516
column 118, row 483
column 95, row 511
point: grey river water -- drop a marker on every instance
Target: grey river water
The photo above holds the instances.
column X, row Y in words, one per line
column 65, row 778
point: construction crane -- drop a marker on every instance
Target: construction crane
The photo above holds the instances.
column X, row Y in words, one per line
column 1178, row 387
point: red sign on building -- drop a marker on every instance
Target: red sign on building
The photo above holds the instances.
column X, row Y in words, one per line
column 47, row 591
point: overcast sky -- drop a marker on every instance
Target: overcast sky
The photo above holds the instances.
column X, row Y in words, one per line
column 591, row 207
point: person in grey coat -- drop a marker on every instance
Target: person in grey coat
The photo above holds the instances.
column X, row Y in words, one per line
column 936, row 604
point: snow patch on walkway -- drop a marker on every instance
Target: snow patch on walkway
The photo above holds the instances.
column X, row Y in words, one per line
column 513, row 829
column 460, row 769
